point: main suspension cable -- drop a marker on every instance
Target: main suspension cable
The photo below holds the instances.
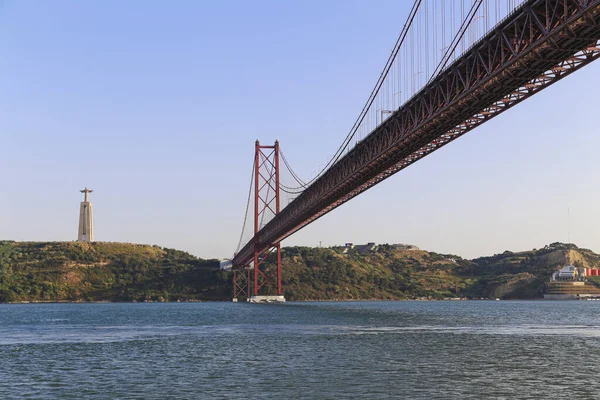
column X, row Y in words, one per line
column 247, row 208
column 294, row 174
column 337, row 155
column 442, row 64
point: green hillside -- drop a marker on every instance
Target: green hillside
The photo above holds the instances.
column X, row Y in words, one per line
column 392, row 273
column 70, row 271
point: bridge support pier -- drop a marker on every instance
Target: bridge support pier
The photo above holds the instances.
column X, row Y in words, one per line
column 266, row 299
column 241, row 284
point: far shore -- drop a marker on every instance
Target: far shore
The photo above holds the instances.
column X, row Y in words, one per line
column 229, row 301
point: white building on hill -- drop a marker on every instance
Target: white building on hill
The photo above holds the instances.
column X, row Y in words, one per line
column 568, row 272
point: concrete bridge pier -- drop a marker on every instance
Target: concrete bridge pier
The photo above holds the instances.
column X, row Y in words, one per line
column 266, row 299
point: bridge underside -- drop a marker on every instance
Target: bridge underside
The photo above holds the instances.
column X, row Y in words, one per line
column 540, row 43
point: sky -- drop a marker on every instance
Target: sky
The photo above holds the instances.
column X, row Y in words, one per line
column 156, row 105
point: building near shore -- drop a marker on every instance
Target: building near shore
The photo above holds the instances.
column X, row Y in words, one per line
column 570, row 283
column 568, row 272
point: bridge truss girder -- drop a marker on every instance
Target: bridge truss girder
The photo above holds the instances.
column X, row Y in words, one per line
column 538, row 44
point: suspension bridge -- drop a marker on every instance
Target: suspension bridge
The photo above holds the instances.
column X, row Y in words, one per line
column 455, row 65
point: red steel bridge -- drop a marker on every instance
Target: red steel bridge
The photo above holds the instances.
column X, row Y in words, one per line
column 455, row 65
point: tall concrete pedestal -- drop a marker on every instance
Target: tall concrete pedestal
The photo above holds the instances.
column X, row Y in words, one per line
column 86, row 219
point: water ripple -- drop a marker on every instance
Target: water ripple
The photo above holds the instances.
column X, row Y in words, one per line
column 388, row 350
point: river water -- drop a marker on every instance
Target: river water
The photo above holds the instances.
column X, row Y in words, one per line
column 364, row 350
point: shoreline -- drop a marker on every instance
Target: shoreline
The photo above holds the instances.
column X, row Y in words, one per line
column 243, row 302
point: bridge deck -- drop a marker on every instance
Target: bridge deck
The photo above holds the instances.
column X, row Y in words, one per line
column 537, row 45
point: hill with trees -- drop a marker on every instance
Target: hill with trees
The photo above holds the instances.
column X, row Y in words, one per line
column 390, row 272
column 71, row 271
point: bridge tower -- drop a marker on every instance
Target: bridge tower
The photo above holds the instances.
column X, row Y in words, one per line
column 260, row 280
column 266, row 268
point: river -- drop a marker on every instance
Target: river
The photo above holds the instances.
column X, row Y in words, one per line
column 363, row 350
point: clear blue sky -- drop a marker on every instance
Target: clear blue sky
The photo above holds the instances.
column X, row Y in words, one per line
column 155, row 106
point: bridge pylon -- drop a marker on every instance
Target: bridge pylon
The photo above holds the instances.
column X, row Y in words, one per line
column 266, row 266
column 260, row 281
